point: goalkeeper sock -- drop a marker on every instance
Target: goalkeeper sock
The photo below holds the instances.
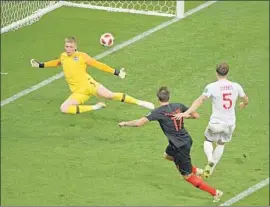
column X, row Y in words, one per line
column 199, row 183
column 77, row 109
column 124, row 98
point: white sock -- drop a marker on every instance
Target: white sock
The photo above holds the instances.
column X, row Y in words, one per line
column 208, row 150
column 217, row 154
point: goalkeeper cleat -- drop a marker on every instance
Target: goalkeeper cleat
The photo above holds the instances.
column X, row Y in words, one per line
column 218, row 195
column 99, row 105
column 147, row 105
column 122, row 74
column 207, row 169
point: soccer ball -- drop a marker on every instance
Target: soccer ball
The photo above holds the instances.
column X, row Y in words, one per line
column 106, row 40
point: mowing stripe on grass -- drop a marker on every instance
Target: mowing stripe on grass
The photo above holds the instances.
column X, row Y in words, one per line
column 246, row 192
column 104, row 54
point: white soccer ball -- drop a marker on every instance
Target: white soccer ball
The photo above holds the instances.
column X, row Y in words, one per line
column 106, row 39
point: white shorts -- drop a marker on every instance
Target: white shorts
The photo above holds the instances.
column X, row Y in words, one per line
column 216, row 131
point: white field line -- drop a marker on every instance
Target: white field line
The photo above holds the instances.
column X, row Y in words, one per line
column 246, row 192
column 108, row 52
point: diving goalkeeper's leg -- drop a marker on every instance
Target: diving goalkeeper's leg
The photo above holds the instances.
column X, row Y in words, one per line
column 73, row 105
column 105, row 93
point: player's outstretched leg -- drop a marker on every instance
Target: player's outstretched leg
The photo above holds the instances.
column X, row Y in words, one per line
column 217, row 154
column 183, row 162
column 199, row 183
column 71, row 106
column 187, row 171
column 208, row 150
column 104, row 92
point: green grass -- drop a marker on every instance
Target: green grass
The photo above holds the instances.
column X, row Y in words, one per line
column 192, row 4
column 259, row 198
column 49, row 158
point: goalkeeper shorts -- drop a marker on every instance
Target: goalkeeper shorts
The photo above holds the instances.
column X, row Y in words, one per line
column 84, row 93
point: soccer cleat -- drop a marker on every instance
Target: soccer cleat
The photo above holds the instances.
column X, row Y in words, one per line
column 218, row 195
column 146, row 104
column 207, row 169
column 99, row 105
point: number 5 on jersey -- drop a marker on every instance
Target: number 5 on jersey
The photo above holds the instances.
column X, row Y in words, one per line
column 227, row 100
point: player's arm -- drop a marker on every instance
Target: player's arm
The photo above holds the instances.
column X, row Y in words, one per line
column 152, row 116
column 243, row 97
column 244, row 102
column 134, row 123
column 199, row 101
column 52, row 63
column 101, row 66
column 195, row 105
column 184, row 109
column 193, row 115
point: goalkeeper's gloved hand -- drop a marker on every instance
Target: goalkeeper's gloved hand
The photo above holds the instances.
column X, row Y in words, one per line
column 120, row 73
column 36, row 64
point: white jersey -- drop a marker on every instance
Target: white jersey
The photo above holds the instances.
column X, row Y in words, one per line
column 224, row 94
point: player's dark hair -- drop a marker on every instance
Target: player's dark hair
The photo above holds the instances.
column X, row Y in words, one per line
column 222, row 69
column 163, row 94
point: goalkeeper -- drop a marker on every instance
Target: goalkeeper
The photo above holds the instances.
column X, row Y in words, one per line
column 81, row 84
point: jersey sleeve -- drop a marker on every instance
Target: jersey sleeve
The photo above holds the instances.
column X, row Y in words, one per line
column 153, row 116
column 241, row 92
column 101, row 66
column 207, row 91
column 52, row 63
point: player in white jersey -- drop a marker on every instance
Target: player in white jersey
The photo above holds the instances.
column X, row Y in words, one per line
column 224, row 95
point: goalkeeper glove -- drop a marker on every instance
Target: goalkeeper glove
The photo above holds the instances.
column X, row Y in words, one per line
column 36, row 64
column 120, row 73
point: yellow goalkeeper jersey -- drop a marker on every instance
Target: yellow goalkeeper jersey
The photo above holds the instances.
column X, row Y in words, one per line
column 74, row 68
